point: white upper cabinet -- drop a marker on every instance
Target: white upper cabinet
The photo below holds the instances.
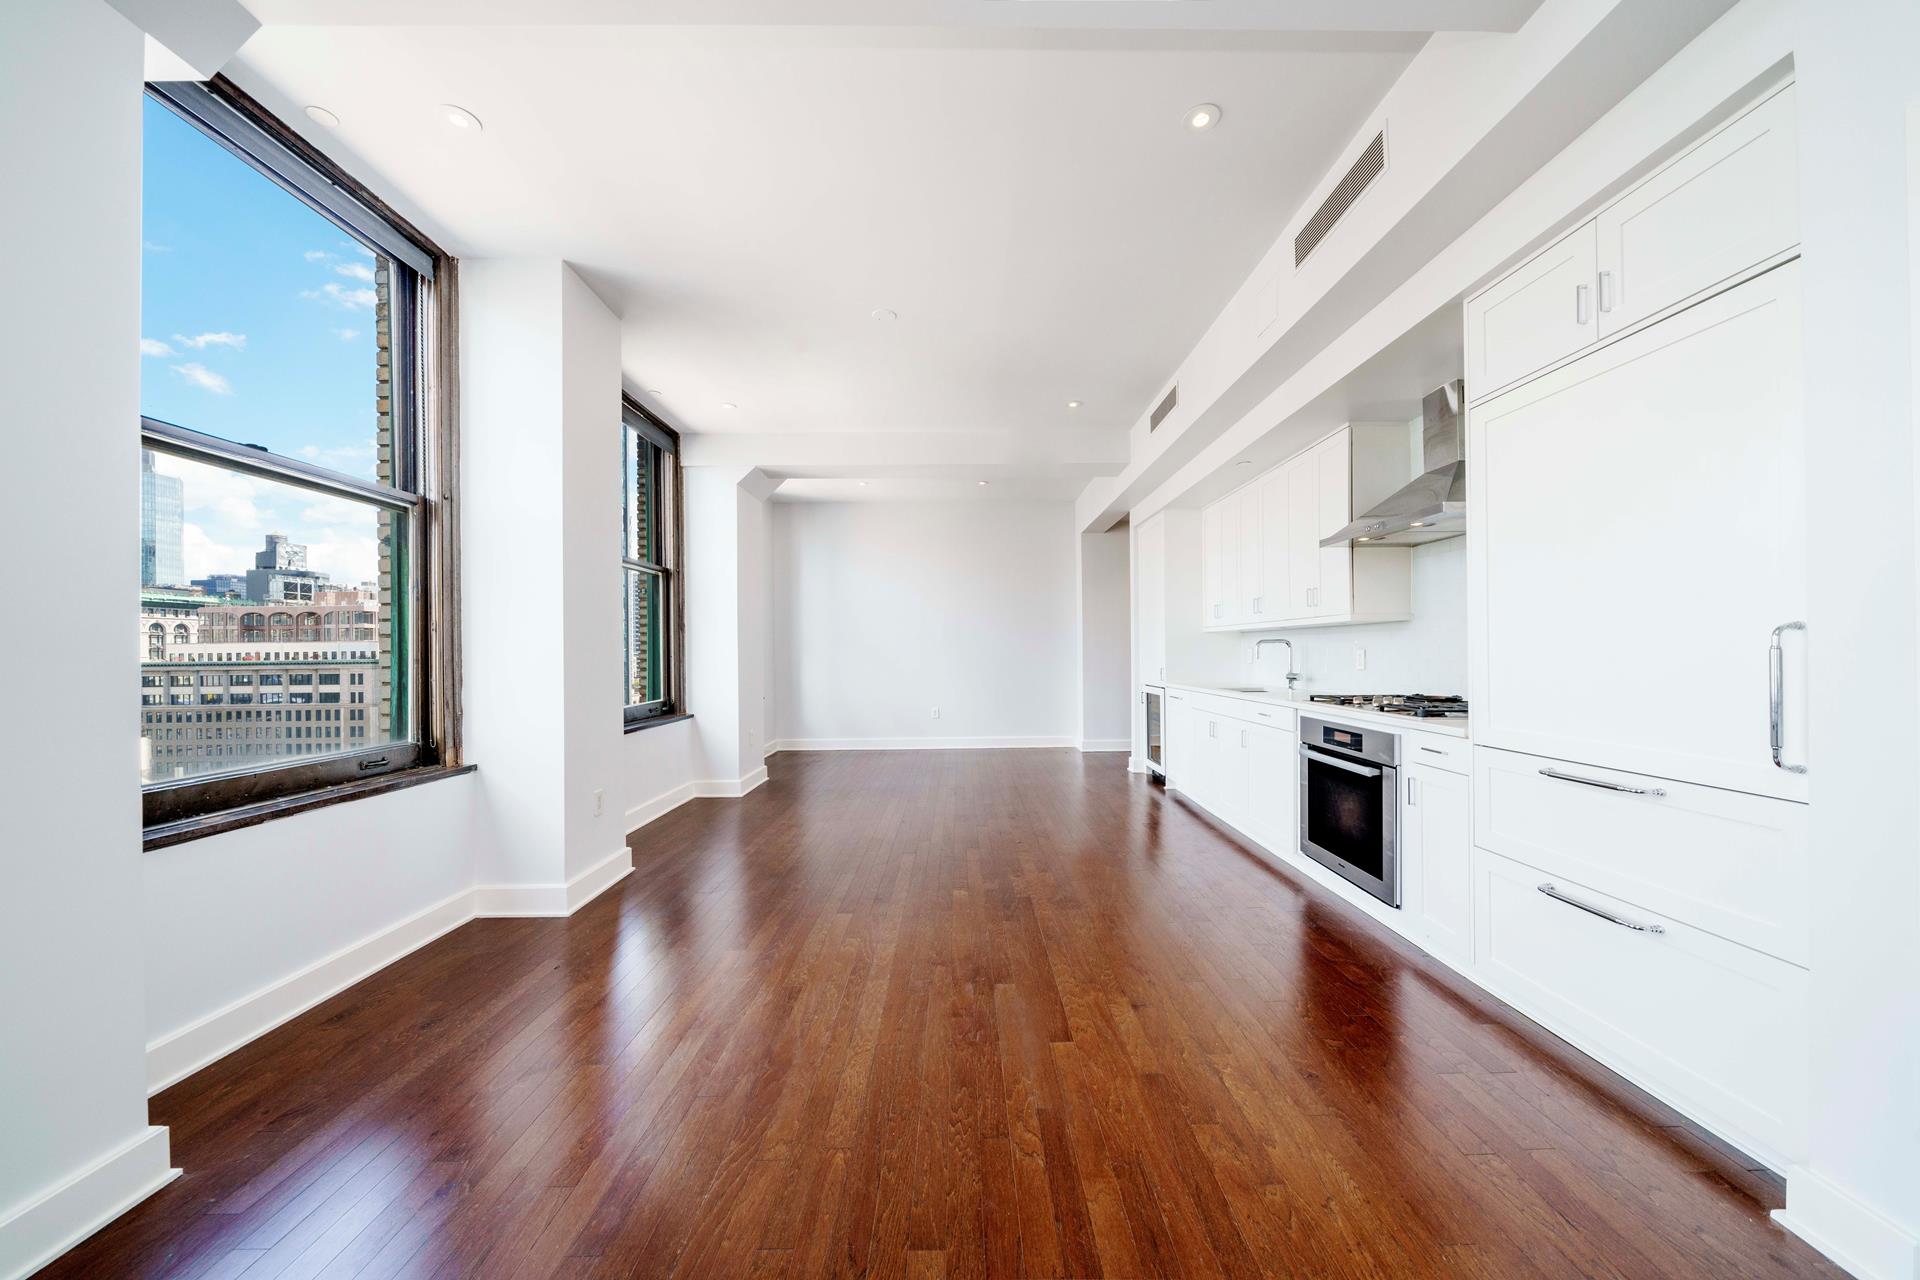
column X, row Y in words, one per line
column 1539, row 313
column 1150, row 597
column 1250, row 598
column 1264, row 567
column 1276, row 569
column 1722, row 209
column 1638, row 532
column 1712, row 213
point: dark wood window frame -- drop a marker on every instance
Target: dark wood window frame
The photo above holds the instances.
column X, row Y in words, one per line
column 427, row 473
column 669, row 567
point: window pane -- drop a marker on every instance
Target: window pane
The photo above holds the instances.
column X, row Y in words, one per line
column 645, row 616
column 276, row 590
column 641, row 468
column 261, row 321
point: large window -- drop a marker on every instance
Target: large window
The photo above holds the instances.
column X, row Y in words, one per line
column 288, row 462
column 650, row 550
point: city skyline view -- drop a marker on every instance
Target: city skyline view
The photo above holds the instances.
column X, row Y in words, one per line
column 257, row 325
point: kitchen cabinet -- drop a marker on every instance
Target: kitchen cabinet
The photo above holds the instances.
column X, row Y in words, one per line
column 1724, row 208
column 1263, row 565
column 1178, row 743
column 1241, row 766
column 1150, row 600
column 1436, row 852
column 1273, row 773
column 1542, row 311
column 1721, row 208
column 1639, row 532
column 1713, row 1027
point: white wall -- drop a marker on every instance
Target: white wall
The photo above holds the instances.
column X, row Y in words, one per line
column 540, row 492
column 72, row 993
column 1859, row 1194
column 727, row 531
column 1105, row 638
column 1426, row 654
column 883, row 611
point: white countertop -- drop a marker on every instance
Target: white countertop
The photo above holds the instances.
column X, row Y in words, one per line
column 1445, row 726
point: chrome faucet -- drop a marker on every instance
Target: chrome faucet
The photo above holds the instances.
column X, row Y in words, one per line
column 1292, row 675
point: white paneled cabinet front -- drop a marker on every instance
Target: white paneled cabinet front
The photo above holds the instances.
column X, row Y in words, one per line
column 1436, row 846
column 1651, row 491
column 1709, row 1025
column 1263, row 563
column 1541, row 312
column 1711, row 213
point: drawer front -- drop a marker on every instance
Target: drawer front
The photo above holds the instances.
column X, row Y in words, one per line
column 1261, row 713
column 1725, row 862
column 1436, row 751
column 1719, row 1029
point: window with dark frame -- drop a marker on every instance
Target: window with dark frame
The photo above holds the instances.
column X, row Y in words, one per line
column 650, row 558
column 289, row 464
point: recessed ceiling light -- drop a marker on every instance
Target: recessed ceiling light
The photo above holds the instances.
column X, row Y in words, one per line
column 1203, row 117
column 1363, row 539
column 983, row 484
column 1244, row 462
column 863, row 484
column 653, row 391
column 461, row 118
column 320, row 115
column 1073, row 404
column 885, row 313
column 729, row 405
column 1418, row 524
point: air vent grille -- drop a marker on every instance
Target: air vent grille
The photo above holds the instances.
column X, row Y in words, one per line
column 1371, row 163
column 1165, row 407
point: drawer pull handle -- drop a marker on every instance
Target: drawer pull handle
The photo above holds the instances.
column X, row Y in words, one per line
column 1608, row 916
column 1433, row 751
column 1655, row 792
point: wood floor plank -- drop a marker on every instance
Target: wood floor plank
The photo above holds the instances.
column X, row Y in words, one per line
column 970, row 1014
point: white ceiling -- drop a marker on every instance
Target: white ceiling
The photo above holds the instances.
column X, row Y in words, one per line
column 1018, row 184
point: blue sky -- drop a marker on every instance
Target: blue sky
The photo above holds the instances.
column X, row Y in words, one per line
column 256, row 326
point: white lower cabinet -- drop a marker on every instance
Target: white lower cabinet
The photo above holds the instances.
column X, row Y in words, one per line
column 1436, row 855
column 1715, row 1028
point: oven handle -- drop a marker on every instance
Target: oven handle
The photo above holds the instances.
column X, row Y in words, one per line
column 1338, row 763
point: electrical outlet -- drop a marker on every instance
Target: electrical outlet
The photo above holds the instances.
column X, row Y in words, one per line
column 936, row 713
column 599, row 803
column 1359, row 658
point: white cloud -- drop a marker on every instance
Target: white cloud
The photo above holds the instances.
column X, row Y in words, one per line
column 317, row 255
column 201, row 376
column 238, row 341
column 354, row 458
column 151, row 247
column 341, row 296
column 355, row 271
column 204, row 556
column 154, row 347
column 346, row 335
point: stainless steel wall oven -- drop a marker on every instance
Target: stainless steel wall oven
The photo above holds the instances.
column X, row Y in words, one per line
column 1349, row 804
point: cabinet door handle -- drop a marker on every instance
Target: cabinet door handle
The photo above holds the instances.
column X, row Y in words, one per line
column 1655, row 792
column 1552, row 892
column 1776, row 695
column 1606, row 292
column 1256, row 603
column 1580, row 304
column 1413, row 793
column 1213, row 728
column 1243, row 737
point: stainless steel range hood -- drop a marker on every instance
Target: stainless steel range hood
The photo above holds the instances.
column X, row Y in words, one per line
column 1432, row 506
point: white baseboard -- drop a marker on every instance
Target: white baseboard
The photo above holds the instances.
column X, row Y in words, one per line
column 182, row 1052
column 658, row 807
column 725, row 788
column 64, row 1215
column 560, row 899
column 1106, row 744
column 914, row 744
column 1856, row 1236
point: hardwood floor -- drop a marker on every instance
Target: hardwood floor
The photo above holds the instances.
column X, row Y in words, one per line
column 933, row 1014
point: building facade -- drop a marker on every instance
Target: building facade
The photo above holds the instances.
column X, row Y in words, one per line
column 161, row 508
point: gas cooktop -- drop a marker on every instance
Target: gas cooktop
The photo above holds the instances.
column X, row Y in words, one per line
column 1421, row 705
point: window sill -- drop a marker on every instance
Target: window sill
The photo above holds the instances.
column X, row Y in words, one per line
column 252, row 815
column 657, row 721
